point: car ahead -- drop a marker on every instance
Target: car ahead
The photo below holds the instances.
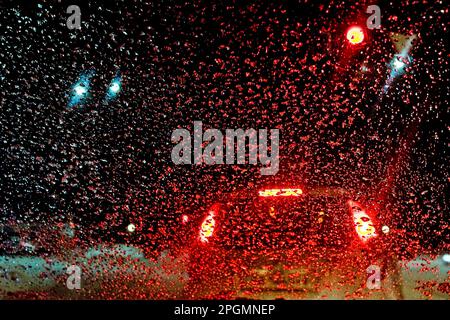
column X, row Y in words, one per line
column 283, row 242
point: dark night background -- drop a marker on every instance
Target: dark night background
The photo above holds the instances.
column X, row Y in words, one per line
column 230, row 64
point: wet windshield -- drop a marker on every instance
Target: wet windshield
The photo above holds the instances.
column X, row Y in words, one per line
column 150, row 149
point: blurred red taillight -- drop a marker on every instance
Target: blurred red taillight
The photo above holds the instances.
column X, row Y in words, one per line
column 281, row 192
column 208, row 226
column 363, row 224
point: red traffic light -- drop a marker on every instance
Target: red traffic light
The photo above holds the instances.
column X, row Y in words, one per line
column 355, row 35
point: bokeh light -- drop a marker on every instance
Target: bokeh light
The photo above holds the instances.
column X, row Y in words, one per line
column 355, row 35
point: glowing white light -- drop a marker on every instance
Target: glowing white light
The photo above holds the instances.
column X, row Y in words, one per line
column 80, row 90
column 115, row 87
column 446, row 258
column 131, row 227
column 398, row 64
column 385, row 229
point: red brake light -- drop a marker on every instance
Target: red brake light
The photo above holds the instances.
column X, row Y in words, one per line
column 281, row 192
column 363, row 224
column 207, row 228
column 355, row 35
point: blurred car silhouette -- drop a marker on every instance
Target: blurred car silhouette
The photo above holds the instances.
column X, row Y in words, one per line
column 269, row 242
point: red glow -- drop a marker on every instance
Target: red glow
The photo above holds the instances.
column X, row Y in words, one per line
column 355, row 35
column 363, row 224
column 207, row 228
column 281, row 192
